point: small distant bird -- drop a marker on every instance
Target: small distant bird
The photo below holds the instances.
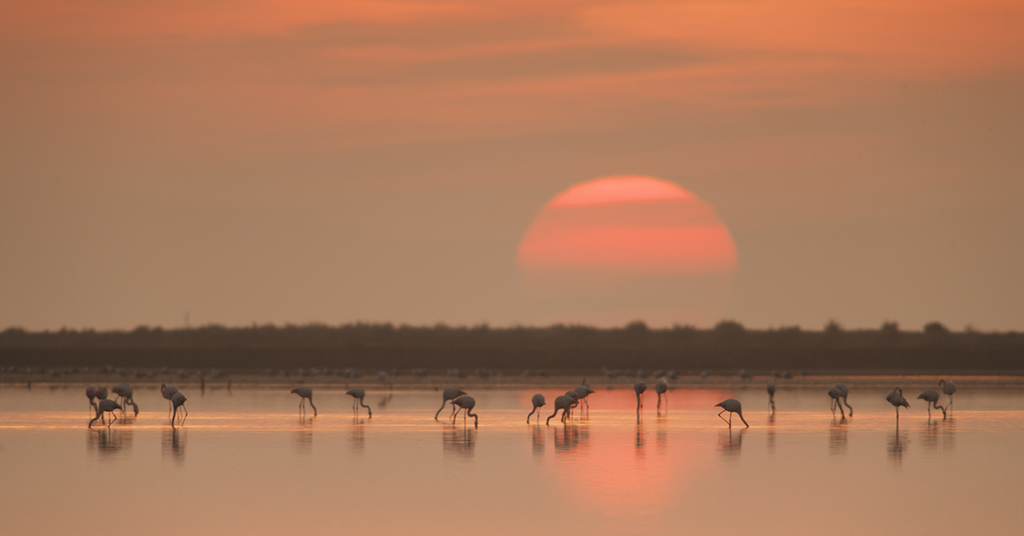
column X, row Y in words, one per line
column 304, row 393
column 639, row 388
column 561, row 403
column 744, row 375
column 167, row 391
column 844, row 391
column 466, row 403
column 948, row 387
column 538, row 402
column 661, row 387
column 836, row 395
column 358, row 394
column 178, row 401
column 771, row 394
column 450, row 393
column 932, row 396
column 732, row 406
column 91, row 393
column 896, row 399
column 105, row 406
column 126, row 393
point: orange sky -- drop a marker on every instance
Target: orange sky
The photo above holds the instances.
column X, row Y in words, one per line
column 308, row 161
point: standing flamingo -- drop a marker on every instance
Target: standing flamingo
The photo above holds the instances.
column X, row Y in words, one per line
column 126, row 393
column 105, row 406
column 732, row 406
column 91, row 393
column 844, row 391
column 836, row 395
column 896, row 399
column 450, row 393
column 358, row 394
column 561, row 403
column 639, row 388
column 932, row 396
column 575, row 400
column 167, row 391
column 948, row 387
column 538, row 402
column 661, row 387
column 771, row 394
column 304, row 393
column 583, row 391
column 467, row 403
column 178, row 401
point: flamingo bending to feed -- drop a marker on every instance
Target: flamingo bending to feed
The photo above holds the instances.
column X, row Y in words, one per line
column 105, row 406
column 639, row 388
column 732, row 406
column 896, row 399
column 450, row 393
column 358, row 394
column 167, row 391
column 467, row 403
column 127, row 394
column 931, row 396
column 583, row 391
column 91, row 393
column 561, row 403
column 661, row 387
column 948, row 387
column 844, row 392
column 304, row 393
column 538, row 402
column 836, row 395
column 771, row 394
column 178, row 401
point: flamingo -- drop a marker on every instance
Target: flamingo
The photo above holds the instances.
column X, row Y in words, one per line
column 948, row 387
column 932, row 396
column 639, row 388
column 732, row 406
column 771, row 394
column 467, row 403
column 91, row 393
column 167, row 391
column 575, row 400
column 844, row 391
column 561, row 403
column 126, row 393
column 661, row 387
column 304, row 393
column 358, row 394
column 101, row 392
column 538, row 402
column 836, row 395
column 105, row 406
column 583, row 391
column 450, row 393
column 896, row 399
column 178, row 400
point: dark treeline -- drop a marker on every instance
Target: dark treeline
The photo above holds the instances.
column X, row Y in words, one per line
column 369, row 347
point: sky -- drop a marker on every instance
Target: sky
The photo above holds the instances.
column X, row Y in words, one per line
column 380, row 161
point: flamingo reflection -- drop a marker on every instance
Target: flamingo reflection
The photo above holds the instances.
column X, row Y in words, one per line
column 172, row 444
column 730, row 442
column 460, row 441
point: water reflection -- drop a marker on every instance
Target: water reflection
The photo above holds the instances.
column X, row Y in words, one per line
column 538, row 440
column 358, row 437
column 771, row 432
column 949, row 434
column 930, row 434
column 730, row 442
column 837, row 438
column 570, row 437
column 896, row 445
column 459, row 440
column 640, row 440
column 109, row 442
column 172, row 444
column 303, row 436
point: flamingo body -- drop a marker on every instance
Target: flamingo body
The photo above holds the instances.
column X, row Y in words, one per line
column 358, row 394
column 538, row 402
column 305, row 393
column 732, row 406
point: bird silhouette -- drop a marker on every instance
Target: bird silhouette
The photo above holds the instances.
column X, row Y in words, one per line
column 304, row 393
column 583, row 391
column 167, row 391
column 732, row 406
column 105, row 406
column 91, row 393
column 771, row 395
column 561, row 403
column 450, row 393
column 844, row 391
column 358, row 394
column 639, row 388
column 948, row 387
column 538, row 402
column 931, row 398
column 178, row 401
column 126, row 393
column 661, row 387
column 467, row 403
column 575, row 400
column 896, row 399
column 836, row 395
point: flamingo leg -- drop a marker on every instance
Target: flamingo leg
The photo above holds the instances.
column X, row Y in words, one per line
column 114, row 415
column 723, row 418
column 186, row 414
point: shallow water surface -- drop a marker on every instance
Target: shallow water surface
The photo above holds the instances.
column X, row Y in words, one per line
column 246, row 461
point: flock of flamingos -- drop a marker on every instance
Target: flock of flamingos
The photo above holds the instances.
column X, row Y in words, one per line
column 462, row 402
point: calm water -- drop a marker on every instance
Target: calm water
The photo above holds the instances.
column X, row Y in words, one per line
column 245, row 461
